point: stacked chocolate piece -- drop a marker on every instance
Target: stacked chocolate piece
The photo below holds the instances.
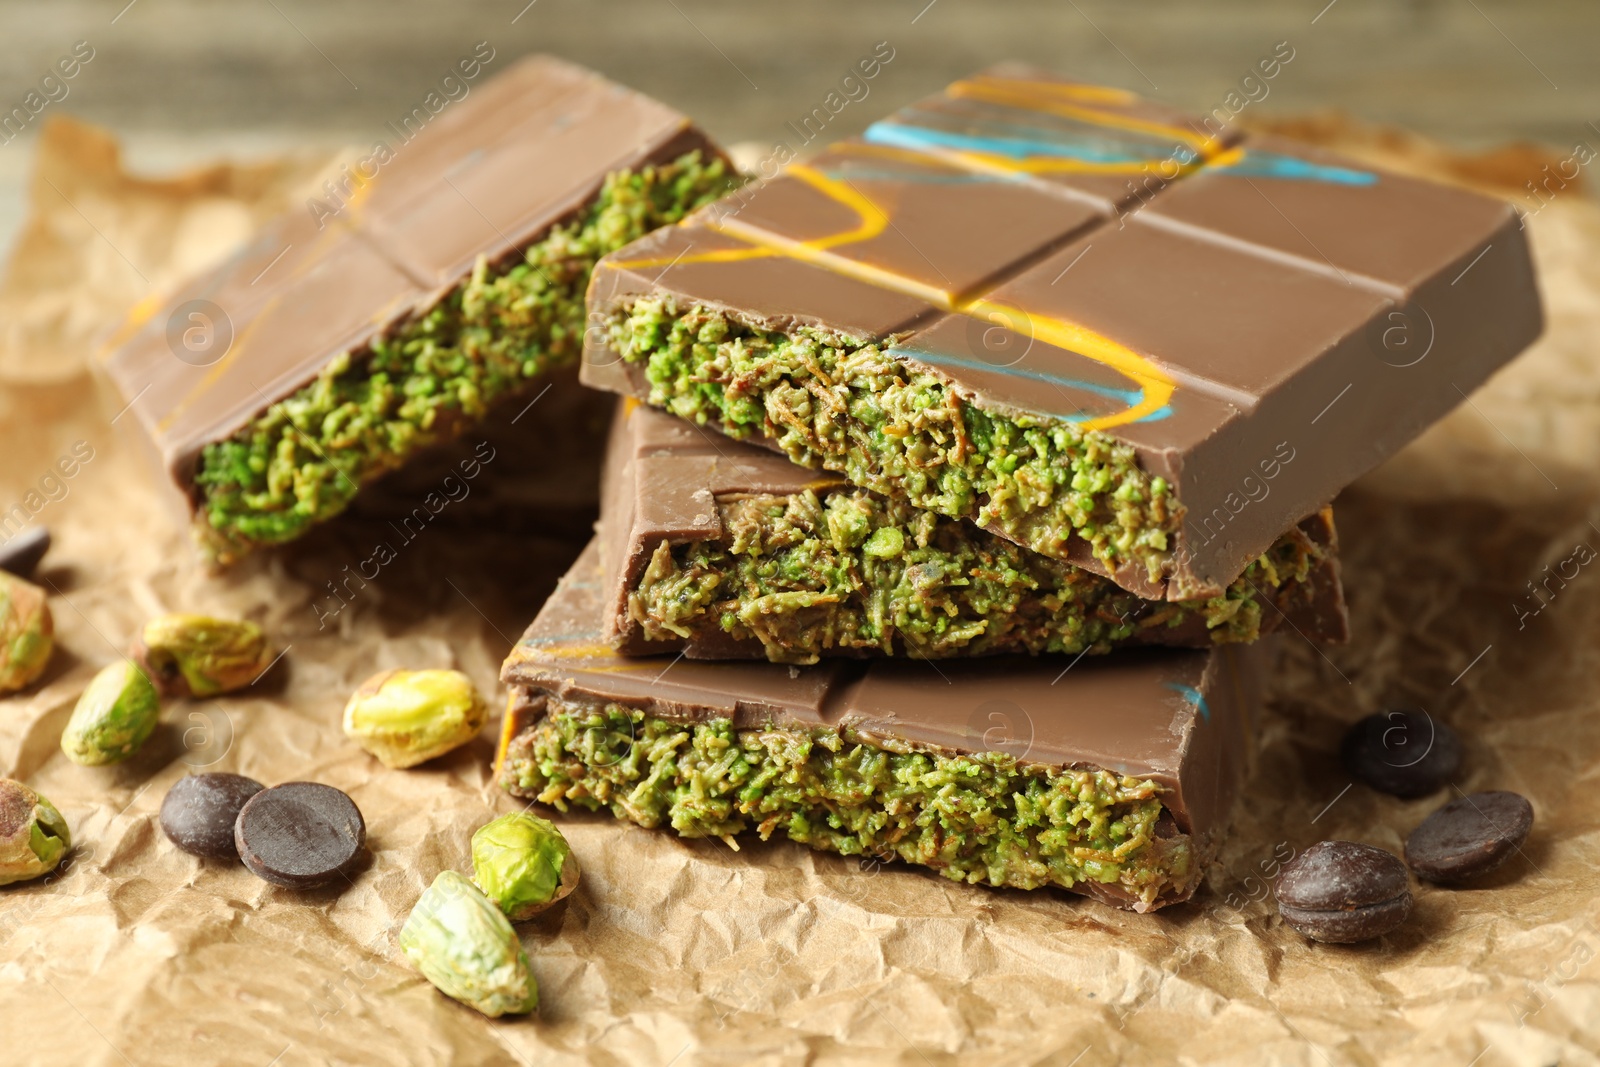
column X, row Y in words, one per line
column 1029, row 372
column 341, row 345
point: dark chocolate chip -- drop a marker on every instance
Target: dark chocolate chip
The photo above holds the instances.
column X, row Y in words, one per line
column 1402, row 753
column 300, row 834
column 1348, row 927
column 1469, row 836
column 1341, row 891
column 22, row 553
column 199, row 812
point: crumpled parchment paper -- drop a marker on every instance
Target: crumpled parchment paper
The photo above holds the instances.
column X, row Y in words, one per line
column 686, row 952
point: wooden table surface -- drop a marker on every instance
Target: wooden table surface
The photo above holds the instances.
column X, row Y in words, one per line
column 182, row 80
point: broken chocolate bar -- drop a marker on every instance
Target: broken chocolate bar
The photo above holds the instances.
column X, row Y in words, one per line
column 727, row 551
column 1077, row 319
column 1112, row 777
column 447, row 281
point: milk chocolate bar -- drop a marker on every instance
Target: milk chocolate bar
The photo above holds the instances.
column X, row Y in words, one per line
column 441, row 277
column 1083, row 321
column 1112, row 777
column 724, row 550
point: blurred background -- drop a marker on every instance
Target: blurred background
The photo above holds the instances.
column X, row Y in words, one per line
column 185, row 80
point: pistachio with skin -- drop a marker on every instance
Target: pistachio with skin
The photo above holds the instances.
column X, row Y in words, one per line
column 407, row 717
column 523, row 864
column 114, row 716
column 33, row 835
column 462, row 943
column 27, row 632
column 199, row 656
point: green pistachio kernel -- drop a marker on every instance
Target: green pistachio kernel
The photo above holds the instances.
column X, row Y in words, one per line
column 115, row 715
column 196, row 655
column 26, row 632
column 462, row 943
column 33, row 835
column 523, row 864
column 848, row 523
column 886, row 542
column 407, row 717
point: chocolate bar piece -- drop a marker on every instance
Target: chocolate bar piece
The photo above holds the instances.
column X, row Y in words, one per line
column 443, row 278
column 1080, row 320
column 727, row 551
column 1111, row 778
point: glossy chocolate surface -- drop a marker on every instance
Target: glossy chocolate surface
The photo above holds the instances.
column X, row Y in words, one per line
column 1186, row 719
column 664, row 476
column 489, row 176
column 1062, row 250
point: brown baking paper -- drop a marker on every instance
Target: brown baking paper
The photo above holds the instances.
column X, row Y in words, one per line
column 685, row 951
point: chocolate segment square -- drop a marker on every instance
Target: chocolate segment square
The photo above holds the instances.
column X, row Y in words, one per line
column 1332, row 214
column 1096, row 144
column 910, row 219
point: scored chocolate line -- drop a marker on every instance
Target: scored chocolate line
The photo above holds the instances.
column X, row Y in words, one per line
column 1323, row 267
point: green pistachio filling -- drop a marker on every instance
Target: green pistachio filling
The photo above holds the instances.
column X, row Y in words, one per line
column 303, row 459
column 986, row 817
column 855, row 572
column 833, row 402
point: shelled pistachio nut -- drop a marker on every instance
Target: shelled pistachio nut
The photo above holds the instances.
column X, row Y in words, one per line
column 114, row 716
column 33, row 835
column 523, row 864
column 27, row 632
column 407, row 717
column 462, row 943
column 199, row 656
